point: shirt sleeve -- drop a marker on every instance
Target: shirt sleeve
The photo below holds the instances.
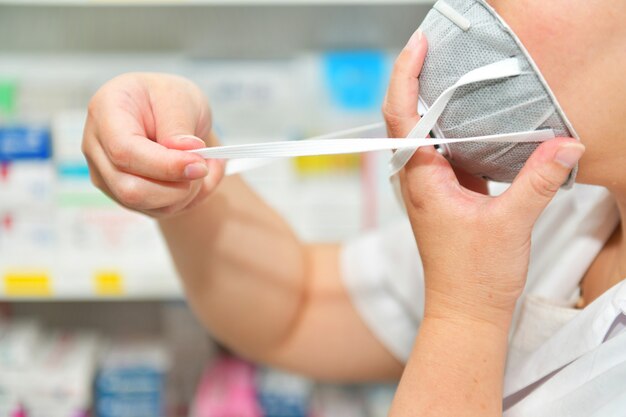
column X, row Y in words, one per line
column 384, row 277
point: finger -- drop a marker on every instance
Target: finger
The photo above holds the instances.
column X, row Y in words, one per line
column 210, row 182
column 140, row 193
column 400, row 105
column 428, row 175
column 122, row 119
column 544, row 173
column 98, row 181
column 135, row 154
column 217, row 168
column 88, row 145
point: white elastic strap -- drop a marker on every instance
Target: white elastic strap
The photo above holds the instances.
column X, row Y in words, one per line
column 373, row 130
column 289, row 149
column 502, row 69
column 452, row 15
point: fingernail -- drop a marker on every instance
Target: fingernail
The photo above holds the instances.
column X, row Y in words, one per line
column 196, row 170
column 190, row 140
column 414, row 40
column 569, row 154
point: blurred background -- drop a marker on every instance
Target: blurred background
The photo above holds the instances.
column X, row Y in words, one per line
column 92, row 317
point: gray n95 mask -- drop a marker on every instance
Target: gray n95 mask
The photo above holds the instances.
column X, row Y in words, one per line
column 464, row 35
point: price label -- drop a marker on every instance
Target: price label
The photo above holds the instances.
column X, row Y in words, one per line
column 27, row 284
column 109, row 284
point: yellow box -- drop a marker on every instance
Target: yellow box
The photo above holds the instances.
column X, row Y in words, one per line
column 27, row 284
column 109, row 283
column 322, row 164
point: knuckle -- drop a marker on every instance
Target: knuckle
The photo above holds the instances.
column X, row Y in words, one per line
column 118, row 155
column 101, row 100
column 388, row 113
column 85, row 148
column 96, row 181
column 175, row 168
column 94, row 175
column 544, row 185
column 129, row 193
column 394, row 123
column 92, row 107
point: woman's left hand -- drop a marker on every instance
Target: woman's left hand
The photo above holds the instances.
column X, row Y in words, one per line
column 475, row 248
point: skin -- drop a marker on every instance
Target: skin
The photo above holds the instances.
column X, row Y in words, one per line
column 457, row 364
column 225, row 239
column 294, row 313
column 582, row 48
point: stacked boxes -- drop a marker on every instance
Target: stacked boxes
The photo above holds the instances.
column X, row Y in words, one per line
column 27, row 212
column 282, row 394
column 131, row 381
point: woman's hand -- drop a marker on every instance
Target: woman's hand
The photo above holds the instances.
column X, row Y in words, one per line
column 137, row 130
column 475, row 251
column 475, row 248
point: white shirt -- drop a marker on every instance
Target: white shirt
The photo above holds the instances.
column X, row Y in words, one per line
column 562, row 361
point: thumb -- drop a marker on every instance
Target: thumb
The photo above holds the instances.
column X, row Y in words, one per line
column 544, row 173
column 400, row 105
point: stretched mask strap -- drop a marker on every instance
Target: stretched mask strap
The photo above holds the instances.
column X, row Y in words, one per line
column 237, row 166
column 291, row 149
column 245, row 157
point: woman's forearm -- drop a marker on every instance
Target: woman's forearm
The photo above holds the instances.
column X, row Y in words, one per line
column 243, row 269
column 456, row 369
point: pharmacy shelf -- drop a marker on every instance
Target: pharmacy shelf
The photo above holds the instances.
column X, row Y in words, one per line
column 42, row 287
column 72, row 297
column 177, row 3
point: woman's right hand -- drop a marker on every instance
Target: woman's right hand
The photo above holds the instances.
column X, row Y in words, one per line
column 138, row 128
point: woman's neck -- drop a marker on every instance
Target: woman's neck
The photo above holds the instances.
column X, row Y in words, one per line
column 621, row 258
column 609, row 267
